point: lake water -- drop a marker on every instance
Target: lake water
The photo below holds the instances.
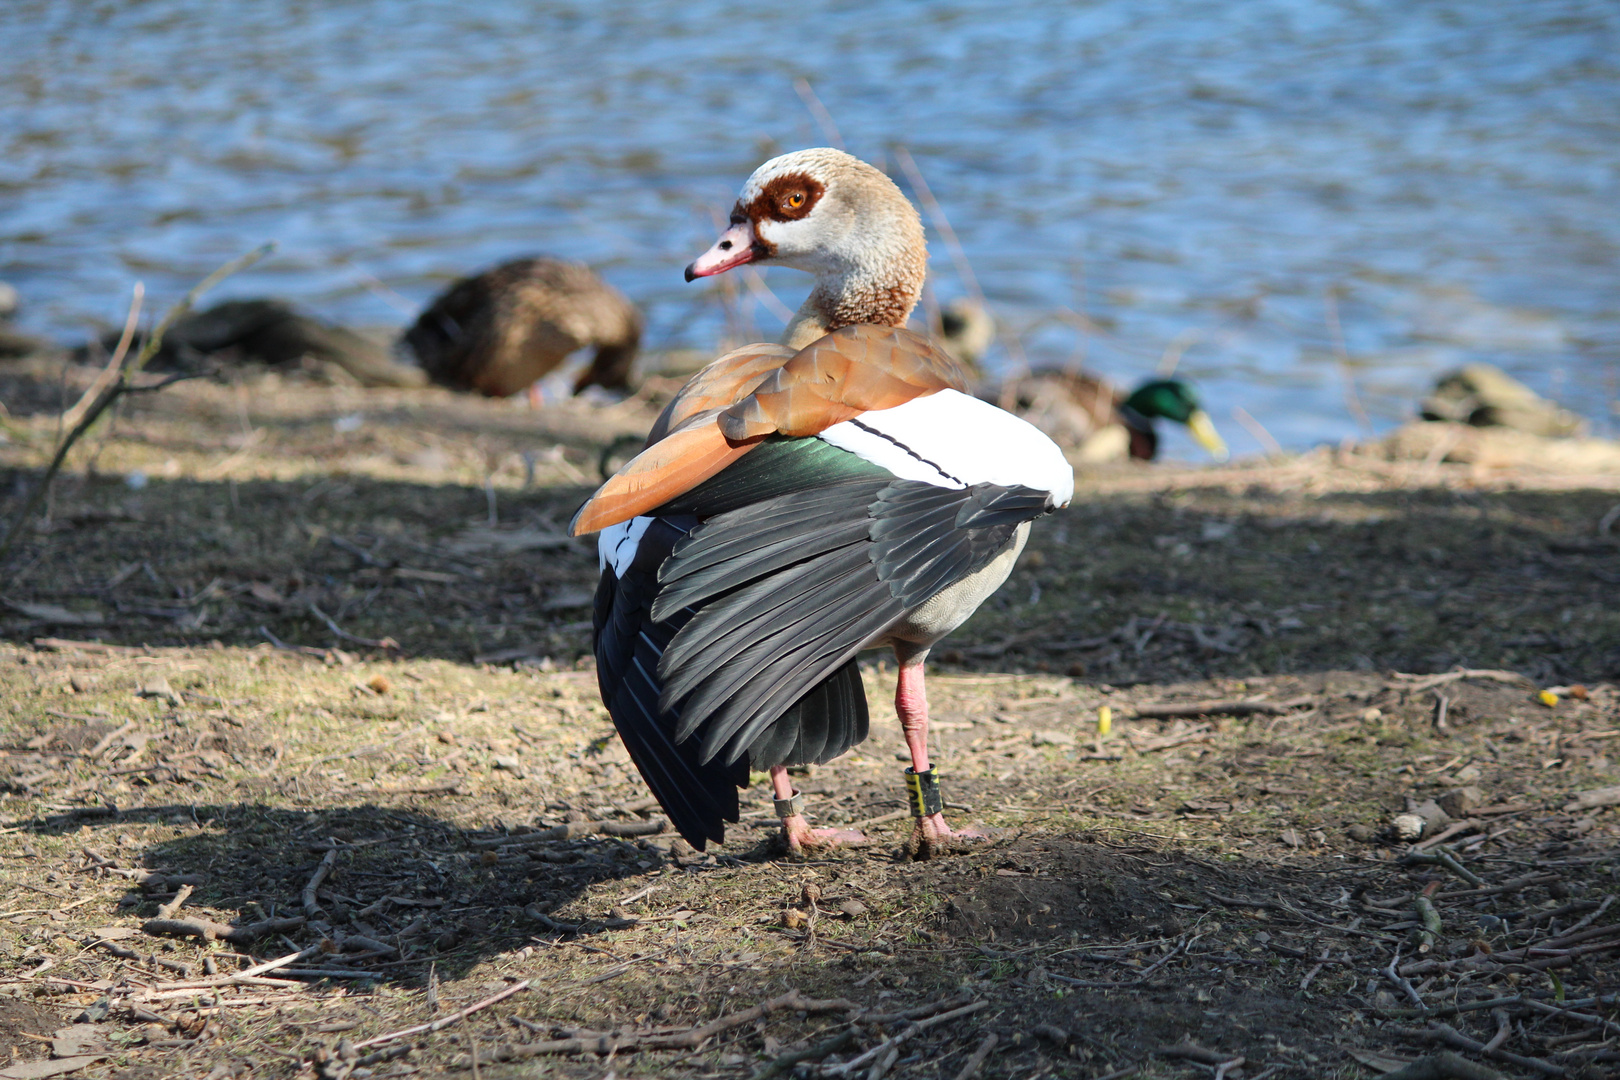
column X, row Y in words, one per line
column 1195, row 179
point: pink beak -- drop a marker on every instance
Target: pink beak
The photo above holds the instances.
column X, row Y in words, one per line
column 734, row 248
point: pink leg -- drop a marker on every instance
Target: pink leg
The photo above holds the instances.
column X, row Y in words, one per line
column 932, row 836
column 537, row 399
column 797, row 831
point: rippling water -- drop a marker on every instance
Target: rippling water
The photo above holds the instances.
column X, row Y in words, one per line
column 1196, row 179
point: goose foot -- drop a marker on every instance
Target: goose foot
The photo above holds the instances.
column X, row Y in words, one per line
column 798, row 834
column 932, row 838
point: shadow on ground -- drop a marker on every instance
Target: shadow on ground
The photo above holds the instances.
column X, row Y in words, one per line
column 1200, row 582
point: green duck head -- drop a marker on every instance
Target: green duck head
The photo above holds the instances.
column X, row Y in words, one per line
column 1173, row 400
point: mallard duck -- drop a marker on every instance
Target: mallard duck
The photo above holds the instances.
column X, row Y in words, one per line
column 1088, row 416
column 798, row 503
column 1486, row 396
column 273, row 333
column 966, row 331
column 501, row 330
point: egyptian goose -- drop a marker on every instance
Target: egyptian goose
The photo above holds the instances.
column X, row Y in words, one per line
column 799, row 503
column 1088, row 416
column 499, row 331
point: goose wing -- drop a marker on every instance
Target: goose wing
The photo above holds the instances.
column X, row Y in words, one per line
column 725, row 410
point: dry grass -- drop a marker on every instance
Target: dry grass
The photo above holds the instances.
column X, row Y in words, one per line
column 1196, row 878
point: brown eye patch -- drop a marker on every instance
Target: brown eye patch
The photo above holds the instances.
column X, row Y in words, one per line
column 787, row 198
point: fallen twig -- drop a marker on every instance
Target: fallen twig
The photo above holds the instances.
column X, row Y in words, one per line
column 1444, row 859
column 894, row 1041
column 209, row 930
column 976, row 1061
column 167, row 911
column 1448, row 1034
column 115, row 383
column 302, row 650
column 1457, row 829
column 343, row 635
column 1191, row 1051
column 692, row 1039
column 1591, row 800
column 446, row 1021
column 1443, row 1066
column 312, row 906
column 785, row 1062
column 1171, row 710
column 1421, row 683
column 575, row 830
column 1429, row 916
column 1400, row 983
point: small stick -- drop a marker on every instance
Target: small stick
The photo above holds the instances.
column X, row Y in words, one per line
column 1352, row 399
column 344, row 635
column 937, row 214
column 209, row 930
column 819, row 111
column 574, row 830
column 167, row 910
column 1593, row 917
column 271, row 965
column 1432, row 927
column 691, row 1039
column 304, row 650
column 884, row 1063
column 1447, row 860
column 1191, row 1051
column 1258, row 430
column 976, row 1060
column 1447, row 1033
column 1429, row 682
column 1470, row 825
column 1587, row 1018
column 446, row 1021
column 118, row 386
column 107, row 740
column 1402, row 984
column 1173, row 710
column 1443, row 1066
column 895, row 1040
column 1442, row 705
column 785, row 1062
column 312, row 906
column 71, row 418
column 1504, row 1028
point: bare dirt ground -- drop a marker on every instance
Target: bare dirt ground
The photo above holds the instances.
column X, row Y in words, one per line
column 307, row 667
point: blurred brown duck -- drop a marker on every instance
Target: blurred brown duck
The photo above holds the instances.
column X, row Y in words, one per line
column 1088, row 416
column 1095, row 421
column 272, row 333
column 498, row 332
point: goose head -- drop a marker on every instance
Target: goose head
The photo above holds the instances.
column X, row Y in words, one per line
column 832, row 215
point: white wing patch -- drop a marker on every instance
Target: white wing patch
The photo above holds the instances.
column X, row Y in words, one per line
column 616, row 545
column 952, row 440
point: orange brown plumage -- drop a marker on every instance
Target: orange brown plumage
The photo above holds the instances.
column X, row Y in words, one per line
column 760, row 390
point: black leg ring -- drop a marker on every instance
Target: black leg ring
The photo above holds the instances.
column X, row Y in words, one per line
column 923, row 791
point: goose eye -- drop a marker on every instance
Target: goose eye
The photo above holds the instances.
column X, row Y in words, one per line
column 795, row 200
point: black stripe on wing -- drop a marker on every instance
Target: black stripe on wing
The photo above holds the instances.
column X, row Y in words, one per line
column 786, row 591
